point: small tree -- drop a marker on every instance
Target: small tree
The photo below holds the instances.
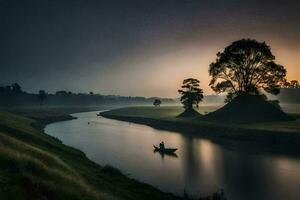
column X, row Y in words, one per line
column 245, row 67
column 42, row 96
column 191, row 94
column 157, row 102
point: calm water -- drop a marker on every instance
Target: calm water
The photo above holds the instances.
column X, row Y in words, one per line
column 202, row 166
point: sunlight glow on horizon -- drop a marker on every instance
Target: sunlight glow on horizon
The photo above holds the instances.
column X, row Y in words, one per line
column 162, row 75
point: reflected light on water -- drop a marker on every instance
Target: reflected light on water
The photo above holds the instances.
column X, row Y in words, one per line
column 201, row 168
column 205, row 152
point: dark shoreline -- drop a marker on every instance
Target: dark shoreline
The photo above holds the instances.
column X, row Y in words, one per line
column 286, row 139
column 48, row 115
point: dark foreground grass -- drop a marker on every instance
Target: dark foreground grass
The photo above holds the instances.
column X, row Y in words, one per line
column 287, row 132
column 34, row 165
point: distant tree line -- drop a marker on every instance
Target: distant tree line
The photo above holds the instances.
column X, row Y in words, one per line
column 291, row 84
column 11, row 89
column 13, row 95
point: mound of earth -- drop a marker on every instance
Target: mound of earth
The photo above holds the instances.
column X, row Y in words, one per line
column 189, row 113
column 247, row 109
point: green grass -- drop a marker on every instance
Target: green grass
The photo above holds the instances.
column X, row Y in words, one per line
column 169, row 115
column 157, row 112
column 287, row 126
column 34, row 165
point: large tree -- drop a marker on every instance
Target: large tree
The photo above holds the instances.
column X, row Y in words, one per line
column 245, row 67
column 191, row 94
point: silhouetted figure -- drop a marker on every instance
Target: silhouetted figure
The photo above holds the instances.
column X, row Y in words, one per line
column 162, row 145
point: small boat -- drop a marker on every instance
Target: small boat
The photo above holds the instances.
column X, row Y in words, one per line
column 165, row 150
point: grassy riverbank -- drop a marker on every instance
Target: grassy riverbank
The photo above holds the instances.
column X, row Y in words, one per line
column 166, row 118
column 34, row 165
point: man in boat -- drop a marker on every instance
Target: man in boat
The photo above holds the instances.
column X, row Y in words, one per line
column 162, row 145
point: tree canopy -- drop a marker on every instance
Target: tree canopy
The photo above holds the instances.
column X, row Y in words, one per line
column 11, row 89
column 157, row 102
column 291, row 84
column 191, row 94
column 245, row 67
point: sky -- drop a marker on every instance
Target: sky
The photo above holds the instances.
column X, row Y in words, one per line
column 135, row 47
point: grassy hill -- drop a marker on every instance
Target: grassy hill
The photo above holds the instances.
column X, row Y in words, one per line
column 162, row 112
column 248, row 109
column 34, row 165
column 166, row 118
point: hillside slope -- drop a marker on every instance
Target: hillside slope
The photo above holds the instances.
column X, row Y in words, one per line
column 34, row 165
column 247, row 109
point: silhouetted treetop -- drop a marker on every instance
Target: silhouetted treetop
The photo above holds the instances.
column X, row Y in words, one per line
column 11, row 89
column 191, row 94
column 157, row 102
column 291, row 84
column 245, row 67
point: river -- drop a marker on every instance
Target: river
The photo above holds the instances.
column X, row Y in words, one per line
column 244, row 171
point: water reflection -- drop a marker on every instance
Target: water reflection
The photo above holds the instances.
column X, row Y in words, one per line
column 165, row 154
column 244, row 170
